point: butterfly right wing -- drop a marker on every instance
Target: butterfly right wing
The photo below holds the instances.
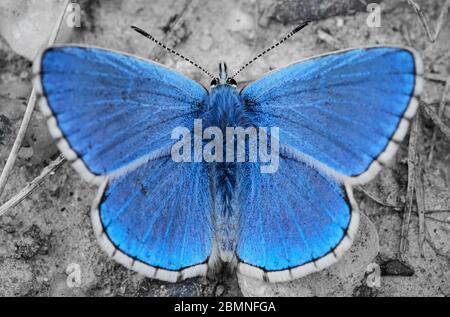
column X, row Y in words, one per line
column 293, row 222
column 344, row 112
column 156, row 220
column 110, row 111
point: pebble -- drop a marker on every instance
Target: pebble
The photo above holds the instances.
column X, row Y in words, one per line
column 396, row 268
column 241, row 23
column 26, row 153
column 220, row 290
column 24, row 75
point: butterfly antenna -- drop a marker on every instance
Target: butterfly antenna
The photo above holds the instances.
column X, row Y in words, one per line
column 284, row 39
column 142, row 32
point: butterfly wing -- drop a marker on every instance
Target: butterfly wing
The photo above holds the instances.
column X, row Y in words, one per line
column 113, row 115
column 156, row 219
column 293, row 222
column 346, row 111
column 109, row 110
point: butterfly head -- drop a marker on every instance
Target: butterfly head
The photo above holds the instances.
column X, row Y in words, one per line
column 223, row 78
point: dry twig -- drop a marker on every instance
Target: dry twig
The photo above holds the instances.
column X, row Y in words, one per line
column 440, row 114
column 436, row 78
column 437, row 211
column 158, row 51
column 441, row 19
column 420, row 199
column 423, row 20
column 329, row 39
column 32, row 186
column 445, row 222
column 433, row 39
column 412, row 163
column 378, row 200
column 27, row 117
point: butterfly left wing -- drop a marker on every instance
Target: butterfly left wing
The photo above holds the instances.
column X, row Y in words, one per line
column 293, row 222
column 110, row 111
column 113, row 115
column 343, row 112
column 156, row 219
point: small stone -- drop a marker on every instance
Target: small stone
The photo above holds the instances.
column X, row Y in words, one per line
column 241, row 23
column 220, row 290
column 203, row 281
column 26, row 153
column 24, row 75
column 396, row 268
column 365, row 291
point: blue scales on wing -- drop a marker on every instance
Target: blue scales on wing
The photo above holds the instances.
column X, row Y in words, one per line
column 156, row 219
column 112, row 109
column 293, row 222
column 113, row 116
column 341, row 117
column 345, row 111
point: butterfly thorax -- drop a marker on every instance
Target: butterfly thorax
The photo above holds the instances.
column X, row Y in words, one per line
column 226, row 110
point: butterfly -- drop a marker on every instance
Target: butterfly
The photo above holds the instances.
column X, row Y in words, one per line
column 341, row 117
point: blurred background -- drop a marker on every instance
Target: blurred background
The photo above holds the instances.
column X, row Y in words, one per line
column 47, row 247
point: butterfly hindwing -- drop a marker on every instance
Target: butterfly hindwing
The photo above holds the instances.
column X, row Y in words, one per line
column 293, row 222
column 156, row 219
column 109, row 110
column 346, row 111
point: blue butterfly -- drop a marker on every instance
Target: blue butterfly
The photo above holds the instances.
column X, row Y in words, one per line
column 341, row 116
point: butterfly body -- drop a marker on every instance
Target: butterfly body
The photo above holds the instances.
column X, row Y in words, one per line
column 226, row 110
column 340, row 116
